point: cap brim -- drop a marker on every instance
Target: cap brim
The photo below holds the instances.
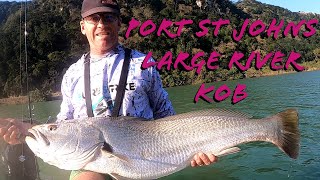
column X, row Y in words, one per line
column 99, row 10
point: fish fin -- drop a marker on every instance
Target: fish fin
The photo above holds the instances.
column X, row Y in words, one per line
column 289, row 139
column 228, row 113
column 109, row 155
column 228, row 151
column 125, row 118
column 117, row 176
column 209, row 112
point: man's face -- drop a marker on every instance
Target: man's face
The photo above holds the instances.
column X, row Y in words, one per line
column 101, row 30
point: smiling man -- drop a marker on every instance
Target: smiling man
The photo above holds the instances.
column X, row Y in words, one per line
column 144, row 95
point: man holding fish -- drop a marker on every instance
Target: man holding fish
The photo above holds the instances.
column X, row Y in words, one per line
column 144, row 96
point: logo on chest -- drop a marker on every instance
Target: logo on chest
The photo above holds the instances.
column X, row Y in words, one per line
column 129, row 87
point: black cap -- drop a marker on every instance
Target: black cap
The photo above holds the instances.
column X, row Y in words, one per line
column 90, row 7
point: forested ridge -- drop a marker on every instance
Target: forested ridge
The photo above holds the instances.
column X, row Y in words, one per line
column 54, row 40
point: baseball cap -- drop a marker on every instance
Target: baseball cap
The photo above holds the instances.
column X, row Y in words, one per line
column 90, row 7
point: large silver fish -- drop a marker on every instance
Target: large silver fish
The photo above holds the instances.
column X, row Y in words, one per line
column 139, row 149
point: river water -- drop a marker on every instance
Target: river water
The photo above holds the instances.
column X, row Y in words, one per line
column 266, row 96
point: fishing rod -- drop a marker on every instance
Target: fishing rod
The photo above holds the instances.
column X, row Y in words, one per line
column 26, row 62
column 28, row 166
column 27, row 88
column 19, row 160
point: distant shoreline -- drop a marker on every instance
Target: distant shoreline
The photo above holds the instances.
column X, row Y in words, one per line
column 250, row 74
column 15, row 100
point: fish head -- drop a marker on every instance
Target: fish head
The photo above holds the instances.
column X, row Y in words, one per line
column 68, row 145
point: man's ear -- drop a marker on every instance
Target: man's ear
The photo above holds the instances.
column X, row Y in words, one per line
column 83, row 29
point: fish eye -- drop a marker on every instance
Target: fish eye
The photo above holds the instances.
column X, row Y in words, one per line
column 52, row 127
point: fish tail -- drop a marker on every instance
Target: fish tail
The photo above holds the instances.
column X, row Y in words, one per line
column 289, row 135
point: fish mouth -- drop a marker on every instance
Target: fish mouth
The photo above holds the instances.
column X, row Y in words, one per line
column 38, row 136
column 31, row 136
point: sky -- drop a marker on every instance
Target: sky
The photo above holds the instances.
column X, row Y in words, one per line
column 295, row 5
column 292, row 5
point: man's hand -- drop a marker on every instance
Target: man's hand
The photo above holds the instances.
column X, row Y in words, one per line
column 13, row 131
column 203, row 159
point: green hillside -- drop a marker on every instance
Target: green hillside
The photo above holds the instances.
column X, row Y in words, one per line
column 54, row 40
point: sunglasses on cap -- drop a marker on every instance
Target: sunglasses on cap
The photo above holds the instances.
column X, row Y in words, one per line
column 106, row 17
